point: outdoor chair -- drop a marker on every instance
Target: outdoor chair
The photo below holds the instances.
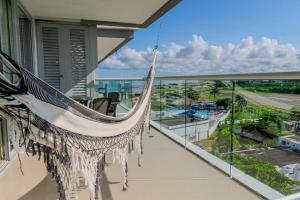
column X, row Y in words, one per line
column 114, row 96
column 84, row 100
column 101, row 105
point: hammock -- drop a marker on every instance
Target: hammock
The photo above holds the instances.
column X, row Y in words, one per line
column 72, row 139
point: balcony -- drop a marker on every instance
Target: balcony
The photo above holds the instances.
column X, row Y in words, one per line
column 212, row 137
column 168, row 172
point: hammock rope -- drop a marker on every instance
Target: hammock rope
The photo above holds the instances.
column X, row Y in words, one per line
column 72, row 139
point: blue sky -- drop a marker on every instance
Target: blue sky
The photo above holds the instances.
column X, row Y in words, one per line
column 219, row 23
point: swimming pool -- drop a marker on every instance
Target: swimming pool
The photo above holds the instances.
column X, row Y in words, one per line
column 197, row 113
column 200, row 113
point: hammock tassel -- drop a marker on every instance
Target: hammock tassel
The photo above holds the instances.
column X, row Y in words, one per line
column 39, row 150
column 29, row 145
column 33, row 149
column 138, row 143
column 125, row 168
column 54, row 141
column 61, row 144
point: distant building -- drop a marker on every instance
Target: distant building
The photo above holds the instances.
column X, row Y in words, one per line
column 291, row 171
column 293, row 126
column 291, row 142
column 193, row 131
column 206, row 105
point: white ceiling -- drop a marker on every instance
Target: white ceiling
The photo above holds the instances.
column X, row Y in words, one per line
column 123, row 11
column 127, row 11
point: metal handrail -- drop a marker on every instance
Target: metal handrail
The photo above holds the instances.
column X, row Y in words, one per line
column 121, row 79
column 250, row 76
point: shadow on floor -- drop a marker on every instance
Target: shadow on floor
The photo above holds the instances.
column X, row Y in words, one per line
column 104, row 187
column 47, row 190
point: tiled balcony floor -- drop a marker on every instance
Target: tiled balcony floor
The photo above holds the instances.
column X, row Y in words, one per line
column 168, row 172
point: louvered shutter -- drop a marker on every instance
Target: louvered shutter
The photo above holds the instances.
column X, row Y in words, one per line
column 78, row 61
column 63, row 57
column 51, row 59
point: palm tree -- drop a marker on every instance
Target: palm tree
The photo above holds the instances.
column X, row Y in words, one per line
column 295, row 113
column 241, row 101
column 215, row 91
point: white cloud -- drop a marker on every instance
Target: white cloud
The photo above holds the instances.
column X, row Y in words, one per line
column 199, row 57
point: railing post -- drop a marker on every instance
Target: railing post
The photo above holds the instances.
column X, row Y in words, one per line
column 185, row 96
column 232, row 126
column 160, row 106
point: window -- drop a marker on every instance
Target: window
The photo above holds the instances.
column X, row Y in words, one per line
column 8, row 27
column 25, row 37
column 7, row 33
column 10, row 30
column 4, row 41
column 4, row 27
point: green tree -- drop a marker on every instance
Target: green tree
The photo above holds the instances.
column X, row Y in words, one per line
column 219, row 84
column 192, row 93
column 222, row 143
column 223, row 102
column 271, row 122
column 215, row 90
column 241, row 102
column 265, row 172
column 295, row 113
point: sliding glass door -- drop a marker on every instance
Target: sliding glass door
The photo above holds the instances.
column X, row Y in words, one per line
column 6, row 47
column 63, row 57
column 25, row 37
column 15, row 40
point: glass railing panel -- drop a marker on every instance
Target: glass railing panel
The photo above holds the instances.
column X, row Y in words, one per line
column 128, row 90
column 173, row 107
column 156, row 103
column 131, row 91
column 208, row 117
column 249, row 129
column 266, row 131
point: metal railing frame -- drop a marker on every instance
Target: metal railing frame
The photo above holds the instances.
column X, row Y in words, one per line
column 250, row 76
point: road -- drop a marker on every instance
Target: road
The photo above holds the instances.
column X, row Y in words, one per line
column 282, row 101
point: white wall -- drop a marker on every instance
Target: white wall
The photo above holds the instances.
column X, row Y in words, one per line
column 194, row 131
column 288, row 142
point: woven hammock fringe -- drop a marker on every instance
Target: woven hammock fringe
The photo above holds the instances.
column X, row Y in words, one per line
column 68, row 165
column 64, row 133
